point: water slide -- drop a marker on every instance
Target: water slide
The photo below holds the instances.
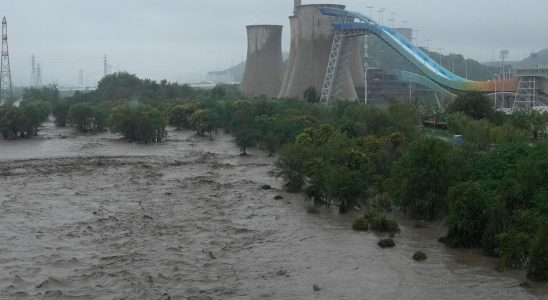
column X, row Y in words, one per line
column 429, row 67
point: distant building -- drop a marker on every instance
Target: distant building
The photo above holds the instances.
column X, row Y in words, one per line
column 219, row 77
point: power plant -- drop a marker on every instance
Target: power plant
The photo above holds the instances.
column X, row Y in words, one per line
column 264, row 68
column 312, row 38
column 311, row 41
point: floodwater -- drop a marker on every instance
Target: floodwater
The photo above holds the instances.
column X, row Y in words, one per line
column 95, row 217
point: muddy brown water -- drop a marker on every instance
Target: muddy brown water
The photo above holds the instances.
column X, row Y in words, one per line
column 95, row 217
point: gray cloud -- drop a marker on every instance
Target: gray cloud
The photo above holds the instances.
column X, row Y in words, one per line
column 182, row 40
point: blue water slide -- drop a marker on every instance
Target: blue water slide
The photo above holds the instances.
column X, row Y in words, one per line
column 400, row 44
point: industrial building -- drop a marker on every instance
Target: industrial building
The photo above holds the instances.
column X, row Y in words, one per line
column 264, row 67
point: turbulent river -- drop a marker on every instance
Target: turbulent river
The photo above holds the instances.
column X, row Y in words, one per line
column 95, row 217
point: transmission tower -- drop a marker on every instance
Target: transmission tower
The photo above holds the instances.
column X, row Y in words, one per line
column 33, row 72
column 6, row 90
column 38, row 82
column 105, row 66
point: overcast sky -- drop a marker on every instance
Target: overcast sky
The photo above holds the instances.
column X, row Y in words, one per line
column 181, row 40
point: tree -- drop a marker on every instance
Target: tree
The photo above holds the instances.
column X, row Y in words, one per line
column 81, row 116
column 466, row 214
column 474, row 104
column 204, row 120
column 179, row 116
column 538, row 266
column 290, row 166
column 32, row 119
column 311, row 95
column 138, row 122
column 218, row 92
column 11, row 121
column 420, row 179
column 457, row 123
column 245, row 138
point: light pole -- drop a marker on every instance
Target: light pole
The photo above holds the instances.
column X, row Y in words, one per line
column 370, row 11
column 496, row 95
column 440, row 50
column 380, row 11
column 393, row 18
column 410, row 89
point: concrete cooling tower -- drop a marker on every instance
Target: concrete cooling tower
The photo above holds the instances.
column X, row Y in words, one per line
column 264, row 67
column 311, row 41
column 293, row 24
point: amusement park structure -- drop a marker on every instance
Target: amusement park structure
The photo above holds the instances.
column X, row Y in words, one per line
column 329, row 53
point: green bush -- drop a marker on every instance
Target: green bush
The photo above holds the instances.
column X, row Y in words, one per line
column 538, row 264
column 513, row 249
column 360, row 224
column 138, row 122
column 420, row 256
column 467, row 214
column 420, row 179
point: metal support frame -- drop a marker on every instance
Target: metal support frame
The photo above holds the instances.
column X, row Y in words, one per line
column 333, row 76
column 526, row 95
column 332, row 65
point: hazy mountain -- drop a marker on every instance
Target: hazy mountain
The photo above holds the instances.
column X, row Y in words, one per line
column 539, row 59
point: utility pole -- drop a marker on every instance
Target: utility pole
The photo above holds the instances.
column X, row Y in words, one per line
column 6, row 89
column 81, row 78
column 428, row 46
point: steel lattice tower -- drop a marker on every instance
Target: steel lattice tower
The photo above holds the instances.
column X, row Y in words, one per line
column 33, row 72
column 6, row 90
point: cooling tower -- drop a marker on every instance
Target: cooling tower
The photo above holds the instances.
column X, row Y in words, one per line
column 293, row 24
column 264, row 67
column 357, row 46
column 313, row 37
column 296, row 3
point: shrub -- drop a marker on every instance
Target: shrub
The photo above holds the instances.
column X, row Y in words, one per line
column 386, row 243
column 360, row 224
column 467, row 214
column 138, row 122
column 420, row 256
column 538, row 264
column 513, row 249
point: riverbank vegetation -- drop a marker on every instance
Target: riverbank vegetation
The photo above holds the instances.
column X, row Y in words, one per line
column 491, row 189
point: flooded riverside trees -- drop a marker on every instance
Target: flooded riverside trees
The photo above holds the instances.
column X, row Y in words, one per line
column 357, row 158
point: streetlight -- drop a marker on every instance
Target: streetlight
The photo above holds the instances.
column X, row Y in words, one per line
column 393, row 18
column 370, row 11
column 496, row 94
column 440, row 50
column 428, row 46
column 380, row 11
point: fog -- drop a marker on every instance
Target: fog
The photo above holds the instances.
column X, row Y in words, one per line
column 182, row 40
